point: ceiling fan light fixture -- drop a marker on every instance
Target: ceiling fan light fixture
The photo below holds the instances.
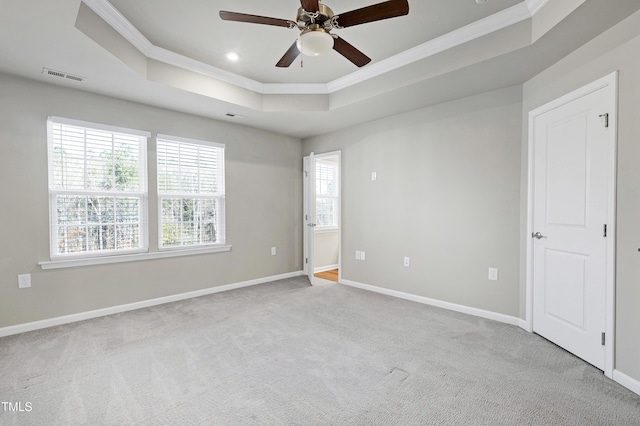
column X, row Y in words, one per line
column 314, row 42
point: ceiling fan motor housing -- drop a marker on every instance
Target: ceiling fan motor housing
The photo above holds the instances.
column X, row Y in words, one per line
column 305, row 18
column 314, row 39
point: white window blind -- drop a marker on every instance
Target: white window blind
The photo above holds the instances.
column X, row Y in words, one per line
column 97, row 189
column 327, row 187
column 190, row 192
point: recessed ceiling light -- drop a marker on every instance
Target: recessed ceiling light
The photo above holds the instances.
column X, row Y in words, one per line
column 481, row 1
column 233, row 56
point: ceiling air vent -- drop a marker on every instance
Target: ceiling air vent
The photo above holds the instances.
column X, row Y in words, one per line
column 61, row 74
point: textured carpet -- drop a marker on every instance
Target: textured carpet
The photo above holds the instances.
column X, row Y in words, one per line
column 287, row 353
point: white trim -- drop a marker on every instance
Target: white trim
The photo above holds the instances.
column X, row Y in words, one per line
column 524, row 325
column 74, row 263
column 630, row 383
column 82, row 316
column 170, row 138
column 473, row 31
column 118, row 22
column 326, row 229
column 611, row 81
column 172, row 58
column 535, row 5
column 325, row 268
column 507, row 319
column 507, row 17
column 99, row 126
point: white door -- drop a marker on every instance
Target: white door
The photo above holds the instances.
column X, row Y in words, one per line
column 571, row 181
column 309, row 214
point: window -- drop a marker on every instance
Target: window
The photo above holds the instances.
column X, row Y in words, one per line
column 190, row 192
column 327, row 186
column 97, row 189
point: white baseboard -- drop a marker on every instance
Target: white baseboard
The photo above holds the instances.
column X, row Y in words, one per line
column 324, row 268
column 51, row 322
column 525, row 325
column 626, row 381
column 621, row 378
column 438, row 303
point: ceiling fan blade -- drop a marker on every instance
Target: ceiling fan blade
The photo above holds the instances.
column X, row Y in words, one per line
column 254, row 19
column 350, row 52
column 310, row 5
column 289, row 57
column 376, row 12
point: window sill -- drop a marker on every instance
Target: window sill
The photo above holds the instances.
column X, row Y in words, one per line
column 72, row 263
column 326, row 229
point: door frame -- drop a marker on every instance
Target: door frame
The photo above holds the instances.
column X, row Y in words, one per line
column 305, row 197
column 610, row 81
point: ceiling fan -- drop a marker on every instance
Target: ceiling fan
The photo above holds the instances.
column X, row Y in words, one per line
column 315, row 21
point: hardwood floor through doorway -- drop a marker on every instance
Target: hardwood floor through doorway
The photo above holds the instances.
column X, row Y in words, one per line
column 331, row 275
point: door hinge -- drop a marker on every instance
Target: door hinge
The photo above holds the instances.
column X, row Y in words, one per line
column 605, row 230
column 606, row 119
column 306, row 260
column 602, row 339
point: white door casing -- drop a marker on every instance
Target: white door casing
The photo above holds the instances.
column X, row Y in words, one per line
column 309, row 213
column 570, row 262
column 309, row 200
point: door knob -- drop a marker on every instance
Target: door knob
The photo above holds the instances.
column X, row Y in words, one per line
column 537, row 235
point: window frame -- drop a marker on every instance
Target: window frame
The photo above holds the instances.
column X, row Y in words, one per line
column 54, row 193
column 335, row 197
column 220, row 197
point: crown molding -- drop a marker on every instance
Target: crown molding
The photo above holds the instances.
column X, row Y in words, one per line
column 488, row 25
column 510, row 16
column 535, row 5
column 118, row 22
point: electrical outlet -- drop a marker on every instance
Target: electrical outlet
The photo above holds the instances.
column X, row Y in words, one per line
column 273, row 251
column 24, row 281
column 493, row 274
column 407, row 261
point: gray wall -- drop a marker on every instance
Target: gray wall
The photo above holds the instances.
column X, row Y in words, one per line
column 616, row 49
column 449, row 182
column 263, row 186
column 447, row 195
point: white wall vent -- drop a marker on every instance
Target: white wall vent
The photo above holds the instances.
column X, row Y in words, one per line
column 61, row 74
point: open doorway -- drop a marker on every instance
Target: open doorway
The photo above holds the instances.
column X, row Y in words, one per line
column 322, row 216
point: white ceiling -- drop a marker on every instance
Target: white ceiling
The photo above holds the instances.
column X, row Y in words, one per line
column 172, row 54
column 193, row 28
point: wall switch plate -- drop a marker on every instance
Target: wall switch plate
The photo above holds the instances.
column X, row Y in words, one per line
column 407, row 261
column 361, row 255
column 358, row 255
column 24, row 281
column 374, row 176
column 493, row 274
column 273, row 251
